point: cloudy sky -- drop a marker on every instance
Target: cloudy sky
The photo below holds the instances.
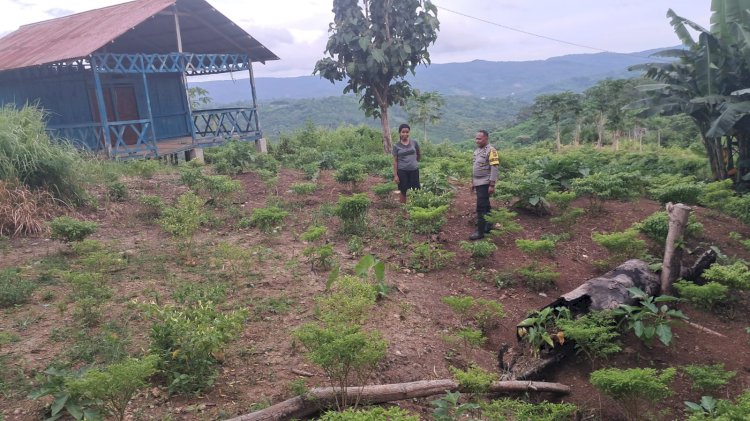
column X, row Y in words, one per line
column 495, row 30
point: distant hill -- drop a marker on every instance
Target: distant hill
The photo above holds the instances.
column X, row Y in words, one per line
column 499, row 79
column 478, row 94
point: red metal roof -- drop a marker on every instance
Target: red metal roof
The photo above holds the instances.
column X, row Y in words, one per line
column 140, row 26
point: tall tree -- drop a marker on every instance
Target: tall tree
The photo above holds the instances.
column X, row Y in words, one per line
column 375, row 44
column 425, row 108
column 558, row 105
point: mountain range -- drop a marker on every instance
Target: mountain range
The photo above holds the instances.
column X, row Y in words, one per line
column 479, row 93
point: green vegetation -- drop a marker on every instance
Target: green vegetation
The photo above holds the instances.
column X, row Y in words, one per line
column 14, row 289
column 650, row 318
column 68, row 229
column 631, row 388
column 474, row 379
column 428, row 256
column 352, row 211
column 393, row 413
column 708, row 377
column 268, row 219
column 594, row 334
column 513, row 409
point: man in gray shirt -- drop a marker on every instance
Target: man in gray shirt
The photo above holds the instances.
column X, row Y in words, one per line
column 484, row 176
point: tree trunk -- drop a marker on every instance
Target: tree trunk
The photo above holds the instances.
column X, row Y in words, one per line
column 743, row 157
column 577, row 135
column 558, row 143
column 387, row 147
column 600, row 130
column 671, row 265
column 318, row 398
column 715, row 157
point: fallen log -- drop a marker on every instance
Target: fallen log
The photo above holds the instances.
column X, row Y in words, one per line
column 323, row 397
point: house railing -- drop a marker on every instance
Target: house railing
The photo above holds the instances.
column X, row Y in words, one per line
column 226, row 123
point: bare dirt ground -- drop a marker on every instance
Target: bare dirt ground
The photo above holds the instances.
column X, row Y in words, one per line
column 279, row 289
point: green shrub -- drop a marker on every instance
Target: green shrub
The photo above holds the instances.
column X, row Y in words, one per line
column 349, row 301
column 484, row 313
column 538, row 328
column 708, row 377
column 268, row 219
column 184, row 219
column 568, row 218
column 145, row 168
column 621, row 245
column 352, row 173
column 529, row 188
column 192, row 294
column 68, row 229
column 152, row 206
column 716, row 194
column 538, row 277
column 435, row 182
column 447, row 408
column 479, row 249
column 512, row 409
column 426, row 199
column 429, row 256
column 502, row 223
column 235, row 157
column 219, row 188
column 29, row 156
column 705, row 296
column 393, row 413
column 474, row 379
column 14, row 289
column 117, row 191
column 650, row 318
column 54, row 383
column 536, row 247
column 352, row 211
column 595, row 334
column 427, row 220
column 188, row 341
column 113, row 386
column 319, row 256
column 735, row 276
column 345, row 352
column 721, row 410
column 560, row 200
column 632, row 387
column 599, row 187
column 304, row 188
column 739, row 207
column 675, row 188
column 384, row 190
column 656, row 227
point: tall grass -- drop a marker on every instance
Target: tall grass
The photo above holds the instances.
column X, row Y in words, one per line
column 29, row 156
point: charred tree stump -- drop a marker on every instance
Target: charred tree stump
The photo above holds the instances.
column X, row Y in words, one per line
column 671, row 265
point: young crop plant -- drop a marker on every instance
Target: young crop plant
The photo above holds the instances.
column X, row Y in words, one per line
column 539, row 330
column 706, row 296
column 304, row 188
column 319, row 253
column 54, row 383
column 268, row 219
column 560, row 200
column 707, row 378
column 620, row 245
column 117, row 191
column 735, row 276
column 529, row 188
column 650, row 318
column 184, row 219
column 634, row 387
column 14, row 289
column 393, row 413
column 428, row 256
column 712, row 409
column 502, row 223
column 599, row 187
column 384, row 191
column 717, row 194
column 568, row 219
column 514, row 409
column 474, row 379
column 479, row 249
column 112, row 387
column 68, row 229
column 538, row 277
column 153, row 206
column 345, row 352
column 188, row 340
column 594, row 334
column 351, row 299
column 536, row 247
column 483, row 313
column 352, row 211
column 656, row 227
column 219, row 188
column 745, row 242
column 352, row 173
column 235, row 259
column 423, row 198
column 448, row 408
column 427, row 220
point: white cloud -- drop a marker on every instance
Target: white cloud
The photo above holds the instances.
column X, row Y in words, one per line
column 297, row 30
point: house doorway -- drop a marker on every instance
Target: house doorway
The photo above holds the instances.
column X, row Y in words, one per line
column 121, row 104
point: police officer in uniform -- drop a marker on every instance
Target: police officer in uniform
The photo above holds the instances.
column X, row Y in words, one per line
column 484, row 176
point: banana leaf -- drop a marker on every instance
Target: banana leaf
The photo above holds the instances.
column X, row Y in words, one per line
column 731, row 114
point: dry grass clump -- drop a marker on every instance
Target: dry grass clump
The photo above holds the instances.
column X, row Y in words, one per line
column 24, row 212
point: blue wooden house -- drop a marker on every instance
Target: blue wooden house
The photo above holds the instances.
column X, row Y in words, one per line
column 113, row 80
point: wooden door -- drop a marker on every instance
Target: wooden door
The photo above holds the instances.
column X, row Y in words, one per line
column 122, row 105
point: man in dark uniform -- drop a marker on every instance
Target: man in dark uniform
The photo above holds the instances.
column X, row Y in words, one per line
column 484, row 176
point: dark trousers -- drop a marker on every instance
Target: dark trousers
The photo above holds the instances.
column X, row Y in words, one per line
column 483, row 199
column 408, row 179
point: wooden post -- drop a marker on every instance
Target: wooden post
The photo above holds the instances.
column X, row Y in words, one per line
column 670, row 267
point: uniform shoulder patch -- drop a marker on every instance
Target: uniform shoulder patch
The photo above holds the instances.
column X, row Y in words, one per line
column 494, row 157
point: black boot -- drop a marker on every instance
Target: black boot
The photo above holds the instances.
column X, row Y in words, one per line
column 487, row 226
column 481, row 229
